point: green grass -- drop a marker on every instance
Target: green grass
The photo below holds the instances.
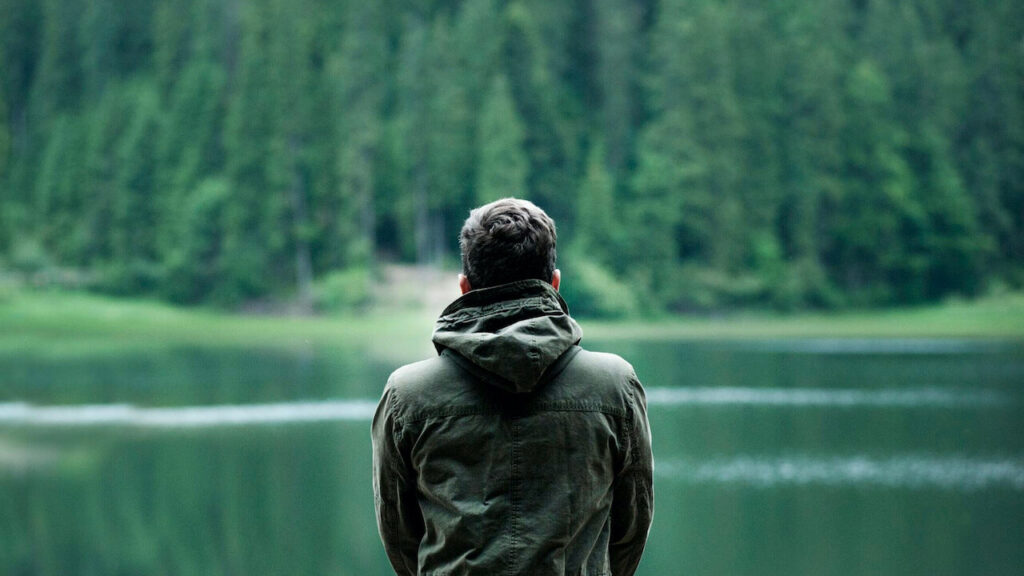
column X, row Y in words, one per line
column 70, row 322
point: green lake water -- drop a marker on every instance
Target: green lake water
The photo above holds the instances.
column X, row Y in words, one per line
column 792, row 457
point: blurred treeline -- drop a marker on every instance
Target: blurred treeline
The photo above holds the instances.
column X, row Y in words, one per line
column 704, row 153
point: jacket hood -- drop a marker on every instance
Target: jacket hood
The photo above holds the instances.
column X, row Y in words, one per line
column 514, row 332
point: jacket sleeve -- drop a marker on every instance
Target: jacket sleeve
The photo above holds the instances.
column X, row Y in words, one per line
column 633, row 493
column 399, row 520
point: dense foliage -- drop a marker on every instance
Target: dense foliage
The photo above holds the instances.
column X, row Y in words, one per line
column 696, row 154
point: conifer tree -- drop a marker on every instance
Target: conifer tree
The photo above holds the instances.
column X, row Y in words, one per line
column 5, row 136
column 106, row 127
column 503, row 166
column 450, row 117
column 618, row 41
column 134, row 218
column 59, row 82
column 876, row 223
column 249, row 133
column 595, row 222
column 359, row 71
column 57, row 197
column 547, row 138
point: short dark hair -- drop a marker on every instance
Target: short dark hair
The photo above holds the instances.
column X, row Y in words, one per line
column 505, row 241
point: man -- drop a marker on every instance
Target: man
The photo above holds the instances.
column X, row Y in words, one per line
column 514, row 451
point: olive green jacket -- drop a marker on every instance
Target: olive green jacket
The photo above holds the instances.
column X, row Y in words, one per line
column 514, row 451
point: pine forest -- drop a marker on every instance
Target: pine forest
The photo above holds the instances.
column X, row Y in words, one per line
column 697, row 155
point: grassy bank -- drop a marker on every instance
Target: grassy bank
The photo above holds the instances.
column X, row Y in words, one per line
column 72, row 321
column 67, row 323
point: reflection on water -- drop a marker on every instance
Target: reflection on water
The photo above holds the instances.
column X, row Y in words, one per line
column 913, row 471
column 24, row 414
column 792, row 457
column 891, row 397
column 186, row 416
column 902, row 346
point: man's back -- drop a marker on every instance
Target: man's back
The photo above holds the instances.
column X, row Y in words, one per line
column 514, row 451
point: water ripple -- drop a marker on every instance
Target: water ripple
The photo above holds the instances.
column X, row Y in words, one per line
column 851, row 397
column 24, row 414
column 19, row 413
column 908, row 471
column 886, row 346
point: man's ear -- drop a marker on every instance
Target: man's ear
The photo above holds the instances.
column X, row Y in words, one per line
column 556, row 278
column 464, row 284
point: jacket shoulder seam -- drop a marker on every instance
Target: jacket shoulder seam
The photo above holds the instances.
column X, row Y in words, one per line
column 457, row 411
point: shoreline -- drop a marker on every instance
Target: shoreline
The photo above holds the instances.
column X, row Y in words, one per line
column 40, row 320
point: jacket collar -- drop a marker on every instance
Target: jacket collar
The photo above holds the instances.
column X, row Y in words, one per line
column 513, row 332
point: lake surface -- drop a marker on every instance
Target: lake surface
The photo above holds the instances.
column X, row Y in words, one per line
column 790, row 457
